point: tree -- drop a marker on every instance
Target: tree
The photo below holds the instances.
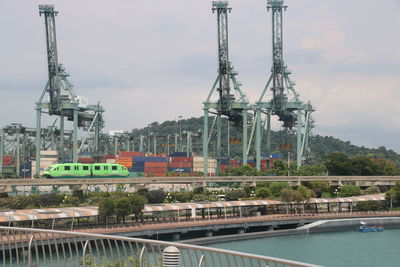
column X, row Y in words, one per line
column 319, row 188
column 305, row 192
column 47, row 200
column 183, row 196
column 137, row 204
column 277, row 187
column 350, row 191
column 155, row 196
column 362, row 165
column 123, row 207
column 372, row 190
column 263, row 192
column 235, row 195
column 291, row 195
column 338, row 164
column 368, row 206
column 106, row 208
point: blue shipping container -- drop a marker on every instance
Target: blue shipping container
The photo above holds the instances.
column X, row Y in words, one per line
column 179, row 154
column 149, row 159
column 138, row 164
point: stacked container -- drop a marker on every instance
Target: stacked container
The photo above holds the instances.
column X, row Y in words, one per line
column 198, row 165
column 131, row 154
column 47, row 158
column 124, row 161
column 7, row 160
column 86, row 160
column 155, row 166
column 181, row 164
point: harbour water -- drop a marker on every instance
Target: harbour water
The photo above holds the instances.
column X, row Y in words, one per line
column 348, row 248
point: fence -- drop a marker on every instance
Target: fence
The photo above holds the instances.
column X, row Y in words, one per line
column 39, row 247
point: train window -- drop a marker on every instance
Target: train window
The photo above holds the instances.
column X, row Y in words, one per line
column 85, row 168
column 76, row 168
column 114, row 168
column 67, row 168
column 97, row 168
column 105, row 167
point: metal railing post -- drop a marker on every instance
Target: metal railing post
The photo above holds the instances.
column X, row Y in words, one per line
column 29, row 251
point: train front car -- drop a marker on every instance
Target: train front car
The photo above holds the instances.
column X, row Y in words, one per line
column 68, row 170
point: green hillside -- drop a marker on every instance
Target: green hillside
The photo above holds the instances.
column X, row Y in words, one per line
column 320, row 146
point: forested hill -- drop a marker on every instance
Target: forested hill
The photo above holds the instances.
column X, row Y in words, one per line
column 320, row 146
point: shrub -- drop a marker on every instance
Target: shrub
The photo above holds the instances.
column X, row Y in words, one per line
column 263, row 192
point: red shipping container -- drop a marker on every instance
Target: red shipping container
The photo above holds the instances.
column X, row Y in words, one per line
column 156, row 164
column 131, row 154
column 181, row 159
column 154, row 169
column 180, row 164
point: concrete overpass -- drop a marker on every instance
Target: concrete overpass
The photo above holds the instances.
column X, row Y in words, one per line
column 293, row 180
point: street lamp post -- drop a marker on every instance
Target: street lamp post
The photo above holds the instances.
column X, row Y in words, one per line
column 288, row 164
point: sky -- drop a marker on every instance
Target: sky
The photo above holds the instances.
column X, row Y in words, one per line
column 156, row 60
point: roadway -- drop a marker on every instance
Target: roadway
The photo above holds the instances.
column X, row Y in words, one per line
column 361, row 180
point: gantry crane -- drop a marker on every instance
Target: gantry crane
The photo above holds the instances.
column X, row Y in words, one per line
column 285, row 102
column 63, row 102
column 232, row 102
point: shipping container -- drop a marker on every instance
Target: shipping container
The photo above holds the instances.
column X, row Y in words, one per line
column 181, row 159
column 131, row 154
column 180, row 164
column 155, row 164
column 138, row 164
column 179, row 154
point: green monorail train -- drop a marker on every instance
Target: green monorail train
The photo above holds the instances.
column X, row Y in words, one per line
column 78, row 170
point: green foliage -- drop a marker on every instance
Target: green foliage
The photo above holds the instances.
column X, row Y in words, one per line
column 291, row 195
column 310, row 170
column 263, row 192
column 79, row 195
column 21, row 202
column 341, row 164
column 123, row 207
column 244, row 170
column 277, row 187
column 200, row 197
column 305, row 192
column 183, row 196
column 372, row 190
column 155, row 196
column 47, row 200
column 319, row 188
column 393, row 195
column 349, row 191
column 369, row 206
column 198, row 190
column 235, row 195
column 137, row 203
column 70, row 200
column 338, row 164
column 106, row 207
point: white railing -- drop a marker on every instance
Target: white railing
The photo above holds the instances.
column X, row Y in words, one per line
column 39, row 247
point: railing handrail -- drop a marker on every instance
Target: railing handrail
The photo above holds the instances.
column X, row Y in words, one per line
column 161, row 243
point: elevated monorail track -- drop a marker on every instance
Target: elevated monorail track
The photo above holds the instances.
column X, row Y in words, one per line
column 361, row 180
